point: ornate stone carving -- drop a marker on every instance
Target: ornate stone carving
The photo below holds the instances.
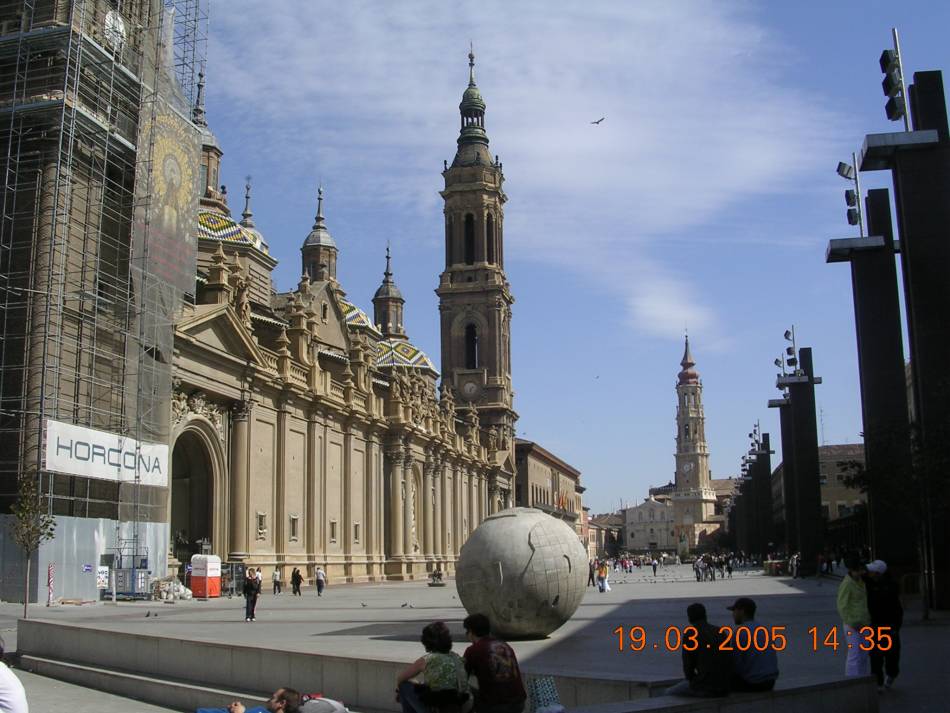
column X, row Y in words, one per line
column 241, row 410
column 197, row 404
column 493, row 439
column 471, row 420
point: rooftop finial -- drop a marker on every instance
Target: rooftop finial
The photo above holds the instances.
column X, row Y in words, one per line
column 388, row 275
column 198, row 113
column 320, row 203
column 248, row 217
column 471, row 64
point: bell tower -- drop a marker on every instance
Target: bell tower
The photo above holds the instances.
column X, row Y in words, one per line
column 474, row 295
column 694, row 500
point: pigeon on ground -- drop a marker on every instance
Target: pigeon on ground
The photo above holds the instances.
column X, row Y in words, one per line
column 410, row 605
column 148, row 613
column 404, row 605
column 362, row 604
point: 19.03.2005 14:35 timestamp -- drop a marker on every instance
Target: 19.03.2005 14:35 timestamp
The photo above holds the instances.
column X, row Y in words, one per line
column 745, row 638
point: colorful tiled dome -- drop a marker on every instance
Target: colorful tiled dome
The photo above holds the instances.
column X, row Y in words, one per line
column 399, row 352
column 355, row 317
column 217, row 226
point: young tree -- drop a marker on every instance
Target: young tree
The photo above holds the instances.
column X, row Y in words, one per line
column 32, row 526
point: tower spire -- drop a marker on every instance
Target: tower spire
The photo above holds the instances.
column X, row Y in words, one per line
column 388, row 304
column 471, row 64
column 688, row 375
column 198, row 113
column 318, row 220
column 247, row 217
column 319, row 249
column 472, row 140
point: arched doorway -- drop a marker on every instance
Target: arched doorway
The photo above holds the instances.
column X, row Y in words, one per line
column 192, row 495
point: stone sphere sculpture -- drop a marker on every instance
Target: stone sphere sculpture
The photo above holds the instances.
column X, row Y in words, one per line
column 523, row 569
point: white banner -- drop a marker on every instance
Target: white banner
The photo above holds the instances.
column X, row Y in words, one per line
column 97, row 454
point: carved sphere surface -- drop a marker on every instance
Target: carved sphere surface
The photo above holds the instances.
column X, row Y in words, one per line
column 523, row 569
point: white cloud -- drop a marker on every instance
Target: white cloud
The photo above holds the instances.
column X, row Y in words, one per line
column 699, row 118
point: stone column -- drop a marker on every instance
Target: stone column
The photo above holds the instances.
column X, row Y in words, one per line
column 408, row 502
column 369, row 507
column 280, row 479
column 395, row 502
column 479, row 499
column 310, row 487
column 457, row 511
column 492, row 496
column 428, row 541
column 472, row 500
column 439, row 517
column 240, row 447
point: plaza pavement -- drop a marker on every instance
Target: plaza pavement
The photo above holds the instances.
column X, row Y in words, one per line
column 370, row 621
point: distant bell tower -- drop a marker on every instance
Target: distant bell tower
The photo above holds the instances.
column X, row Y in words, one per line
column 474, row 295
column 319, row 251
column 694, row 500
column 387, row 305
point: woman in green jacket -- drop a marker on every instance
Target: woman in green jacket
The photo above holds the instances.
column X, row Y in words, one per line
column 853, row 610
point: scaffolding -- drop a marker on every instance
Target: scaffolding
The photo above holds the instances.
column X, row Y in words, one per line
column 93, row 265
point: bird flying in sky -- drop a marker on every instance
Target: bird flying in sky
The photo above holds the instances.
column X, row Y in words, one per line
column 599, row 120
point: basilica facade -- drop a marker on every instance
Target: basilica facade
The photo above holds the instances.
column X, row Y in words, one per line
column 306, row 432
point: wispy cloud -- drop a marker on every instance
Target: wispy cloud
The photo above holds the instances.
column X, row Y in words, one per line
column 700, row 116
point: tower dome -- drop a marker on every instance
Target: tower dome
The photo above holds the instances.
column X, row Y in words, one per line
column 319, row 250
column 250, row 231
column 472, row 140
column 319, row 235
column 387, row 305
column 688, row 375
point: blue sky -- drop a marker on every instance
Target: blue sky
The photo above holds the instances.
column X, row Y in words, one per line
column 705, row 199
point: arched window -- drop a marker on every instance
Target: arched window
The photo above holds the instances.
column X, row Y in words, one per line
column 490, row 238
column 469, row 239
column 449, row 258
column 471, row 347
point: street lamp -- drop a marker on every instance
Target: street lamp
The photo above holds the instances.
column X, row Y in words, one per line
column 791, row 351
column 852, row 196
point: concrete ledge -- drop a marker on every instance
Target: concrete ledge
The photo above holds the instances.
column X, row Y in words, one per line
column 171, row 694
column 362, row 684
column 836, row 695
column 161, row 670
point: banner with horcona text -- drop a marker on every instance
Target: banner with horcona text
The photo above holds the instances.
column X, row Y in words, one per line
column 97, row 454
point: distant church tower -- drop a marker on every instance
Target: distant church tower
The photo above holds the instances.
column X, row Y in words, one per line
column 474, row 295
column 694, row 500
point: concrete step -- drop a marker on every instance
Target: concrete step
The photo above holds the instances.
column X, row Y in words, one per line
column 174, row 695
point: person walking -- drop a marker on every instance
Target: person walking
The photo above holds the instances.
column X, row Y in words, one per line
column 296, row 579
column 654, row 563
column 495, row 666
column 602, row 577
column 707, row 667
column 887, row 616
column 321, row 578
column 276, row 579
column 591, row 580
column 252, row 590
column 853, row 610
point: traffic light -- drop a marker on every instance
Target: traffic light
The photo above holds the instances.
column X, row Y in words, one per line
column 851, row 198
column 892, row 85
